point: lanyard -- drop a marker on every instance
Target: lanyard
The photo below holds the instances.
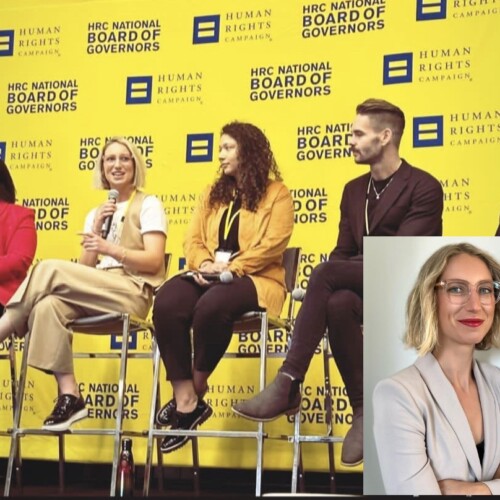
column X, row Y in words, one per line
column 229, row 220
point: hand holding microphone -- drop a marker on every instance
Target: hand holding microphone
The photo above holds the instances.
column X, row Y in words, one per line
column 223, row 277
column 108, row 210
column 203, row 278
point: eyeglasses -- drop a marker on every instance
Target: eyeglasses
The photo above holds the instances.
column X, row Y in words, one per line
column 111, row 160
column 459, row 291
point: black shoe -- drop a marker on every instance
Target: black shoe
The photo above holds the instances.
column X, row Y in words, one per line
column 68, row 409
column 166, row 413
column 185, row 421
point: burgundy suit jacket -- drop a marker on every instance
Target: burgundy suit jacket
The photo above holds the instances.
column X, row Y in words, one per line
column 17, row 246
column 411, row 206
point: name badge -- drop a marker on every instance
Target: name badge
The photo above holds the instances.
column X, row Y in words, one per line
column 222, row 256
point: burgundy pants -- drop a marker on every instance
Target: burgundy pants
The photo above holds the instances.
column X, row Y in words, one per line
column 211, row 311
column 333, row 300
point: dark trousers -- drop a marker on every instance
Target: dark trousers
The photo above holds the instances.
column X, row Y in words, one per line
column 334, row 301
column 181, row 304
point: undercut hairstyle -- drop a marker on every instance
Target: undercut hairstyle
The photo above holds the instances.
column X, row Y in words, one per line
column 7, row 188
column 421, row 308
column 383, row 114
column 99, row 180
column 256, row 165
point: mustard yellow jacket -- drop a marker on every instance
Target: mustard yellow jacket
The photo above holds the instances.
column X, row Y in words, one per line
column 263, row 237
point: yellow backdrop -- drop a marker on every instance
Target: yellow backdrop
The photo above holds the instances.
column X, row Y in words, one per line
column 168, row 74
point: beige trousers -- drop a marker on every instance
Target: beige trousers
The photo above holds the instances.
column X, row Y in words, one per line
column 57, row 292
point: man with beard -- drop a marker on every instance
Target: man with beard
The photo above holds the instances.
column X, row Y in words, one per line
column 392, row 199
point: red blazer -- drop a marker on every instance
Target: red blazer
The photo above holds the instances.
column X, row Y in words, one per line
column 17, row 246
column 412, row 206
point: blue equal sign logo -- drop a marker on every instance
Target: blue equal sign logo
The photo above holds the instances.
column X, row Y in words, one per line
column 6, row 43
column 206, row 29
column 116, row 342
column 429, row 10
column 199, row 148
column 398, row 68
column 427, row 131
column 139, row 89
column 3, row 150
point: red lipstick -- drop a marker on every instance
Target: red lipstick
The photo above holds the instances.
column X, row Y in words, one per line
column 472, row 322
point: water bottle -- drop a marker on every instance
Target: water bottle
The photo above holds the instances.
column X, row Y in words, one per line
column 126, row 470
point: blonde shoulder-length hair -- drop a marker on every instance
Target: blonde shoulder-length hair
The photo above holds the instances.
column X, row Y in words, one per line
column 421, row 307
column 99, row 180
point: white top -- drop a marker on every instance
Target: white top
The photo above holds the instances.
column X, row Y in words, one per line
column 152, row 219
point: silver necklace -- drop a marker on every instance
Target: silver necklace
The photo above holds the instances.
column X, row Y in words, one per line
column 377, row 194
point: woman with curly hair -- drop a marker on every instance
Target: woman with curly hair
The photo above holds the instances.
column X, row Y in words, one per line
column 240, row 228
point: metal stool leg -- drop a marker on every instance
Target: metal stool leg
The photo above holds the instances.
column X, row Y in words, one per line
column 159, row 454
column 196, row 465
column 14, row 455
column 62, row 459
column 262, row 385
column 152, row 413
column 302, row 479
column 296, row 448
column 329, row 413
column 14, row 384
column 119, row 411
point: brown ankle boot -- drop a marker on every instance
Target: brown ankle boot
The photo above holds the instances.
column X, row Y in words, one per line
column 352, row 447
column 281, row 397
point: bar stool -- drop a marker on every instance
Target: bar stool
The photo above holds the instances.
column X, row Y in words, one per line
column 248, row 322
column 328, row 438
column 112, row 324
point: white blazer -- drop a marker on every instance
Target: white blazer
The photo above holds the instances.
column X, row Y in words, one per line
column 422, row 434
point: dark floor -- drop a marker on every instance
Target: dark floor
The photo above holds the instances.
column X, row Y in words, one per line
column 40, row 478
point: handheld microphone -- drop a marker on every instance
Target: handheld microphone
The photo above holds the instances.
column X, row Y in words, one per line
column 223, row 277
column 106, row 226
column 298, row 294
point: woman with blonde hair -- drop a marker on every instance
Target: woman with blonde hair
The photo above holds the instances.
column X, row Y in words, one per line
column 437, row 422
column 122, row 260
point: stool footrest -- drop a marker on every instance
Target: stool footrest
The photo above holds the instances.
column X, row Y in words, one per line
column 111, row 355
column 45, row 432
column 193, row 433
column 316, row 439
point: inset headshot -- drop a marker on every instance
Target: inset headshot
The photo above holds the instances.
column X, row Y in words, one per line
column 432, row 366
